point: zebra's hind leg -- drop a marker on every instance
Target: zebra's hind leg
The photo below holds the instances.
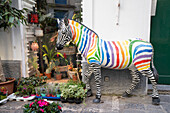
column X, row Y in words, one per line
column 87, row 76
column 97, row 75
column 135, row 81
column 155, row 95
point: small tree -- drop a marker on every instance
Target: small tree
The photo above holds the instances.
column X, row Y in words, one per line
column 10, row 16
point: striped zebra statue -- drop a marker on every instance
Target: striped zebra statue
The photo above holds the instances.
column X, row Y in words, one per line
column 136, row 55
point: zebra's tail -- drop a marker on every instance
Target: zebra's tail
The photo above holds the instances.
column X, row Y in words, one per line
column 155, row 73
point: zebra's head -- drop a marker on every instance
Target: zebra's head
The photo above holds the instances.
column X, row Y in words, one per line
column 64, row 33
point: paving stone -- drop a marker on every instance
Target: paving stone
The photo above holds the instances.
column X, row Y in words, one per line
column 18, row 111
column 150, row 107
column 2, row 111
column 132, row 111
column 111, row 104
column 156, row 111
column 134, row 106
column 165, row 98
column 165, row 106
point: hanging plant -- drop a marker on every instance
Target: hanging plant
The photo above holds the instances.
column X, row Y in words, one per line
column 10, row 16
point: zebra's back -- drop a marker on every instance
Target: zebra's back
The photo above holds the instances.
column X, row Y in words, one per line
column 119, row 54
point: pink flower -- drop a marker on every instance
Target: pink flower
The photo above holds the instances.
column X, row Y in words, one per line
column 41, row 110
column 31, row 104
column 42, row 103
column 39, row 102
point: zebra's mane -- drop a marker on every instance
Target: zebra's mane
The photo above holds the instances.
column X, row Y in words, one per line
column 86, row 27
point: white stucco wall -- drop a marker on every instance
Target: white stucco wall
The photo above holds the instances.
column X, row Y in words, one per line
column 5, row 45
column 134, row 18
column 10, row 42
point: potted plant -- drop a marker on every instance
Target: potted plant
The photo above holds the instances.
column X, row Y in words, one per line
column 3, row 93
column 58, row 93
column 43, row 92
column 64, row 92
column 38, row 91
column 8, row 83
column 50, row 57
column 72, row 89
column 80, row 95
column 33, row 62
column 50, row 66
column 40, row 105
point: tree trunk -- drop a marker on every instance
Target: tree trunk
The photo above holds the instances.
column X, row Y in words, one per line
column 2, row 77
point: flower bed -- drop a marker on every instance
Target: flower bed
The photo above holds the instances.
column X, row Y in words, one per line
column 42, row 106
column 26, row 86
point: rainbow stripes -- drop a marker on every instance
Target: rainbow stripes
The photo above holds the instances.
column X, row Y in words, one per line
column 111, row 54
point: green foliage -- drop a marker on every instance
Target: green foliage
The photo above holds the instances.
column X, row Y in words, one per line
column 73, row 89
column 27, row 85
column 40, row 105
column 50, row 58
column 10, row 16
column 33, row 62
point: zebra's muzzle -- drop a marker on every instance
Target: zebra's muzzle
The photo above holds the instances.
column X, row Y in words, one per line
column 59, row 47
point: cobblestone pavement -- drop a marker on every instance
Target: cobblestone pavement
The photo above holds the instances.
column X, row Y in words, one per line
column 109, row 104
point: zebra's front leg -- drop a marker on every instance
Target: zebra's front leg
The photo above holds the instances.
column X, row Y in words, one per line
column 87, row 76
column 135, row 81
column 97, row 76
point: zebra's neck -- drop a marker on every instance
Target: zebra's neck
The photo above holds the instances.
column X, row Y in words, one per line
column 82, row 36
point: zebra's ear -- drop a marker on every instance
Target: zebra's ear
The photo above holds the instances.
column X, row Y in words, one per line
column 58, row 20
column 66, row 21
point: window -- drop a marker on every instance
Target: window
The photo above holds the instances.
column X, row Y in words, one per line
column 61, row 1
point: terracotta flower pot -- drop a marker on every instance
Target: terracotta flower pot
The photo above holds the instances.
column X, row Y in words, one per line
column 41, row 74
column 58, row 76
column 74, row 78
column 9, row 85
column 48, row 75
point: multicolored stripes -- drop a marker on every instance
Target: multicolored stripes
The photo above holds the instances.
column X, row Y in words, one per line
column 111, row 54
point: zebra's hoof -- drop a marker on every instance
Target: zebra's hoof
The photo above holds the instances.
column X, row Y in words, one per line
column 89, row 93
column 125, row 94
column 155, row 100
column 97, row 100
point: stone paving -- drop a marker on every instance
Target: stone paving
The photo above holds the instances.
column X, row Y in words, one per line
column 109, row 104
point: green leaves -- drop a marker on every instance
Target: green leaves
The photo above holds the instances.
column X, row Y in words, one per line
column 10, row 16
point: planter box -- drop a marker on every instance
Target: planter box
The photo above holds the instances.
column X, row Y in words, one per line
column 55, row 98
column 62, row 68
column 68, row 50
